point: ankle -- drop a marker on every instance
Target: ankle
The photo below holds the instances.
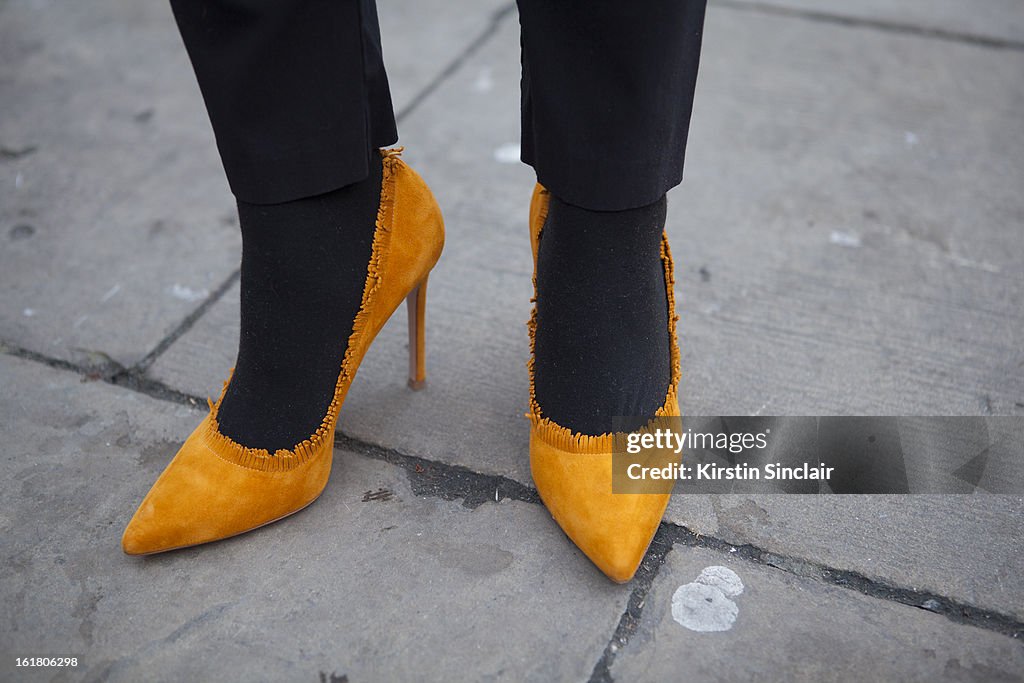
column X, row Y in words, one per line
column 304, row 266
column 602, row 339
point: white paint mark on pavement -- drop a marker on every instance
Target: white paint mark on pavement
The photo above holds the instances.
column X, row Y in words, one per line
column 507, row 153
column 722, row 578
column 187, row 293
column 484, row 81
column 111, row 293
column 978, row 265
column 704, row 605
column 844, row 239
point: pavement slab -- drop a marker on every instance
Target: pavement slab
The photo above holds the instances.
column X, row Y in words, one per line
column 847, row 232
column 397, row 587
column 110, row 181
column 785, row 627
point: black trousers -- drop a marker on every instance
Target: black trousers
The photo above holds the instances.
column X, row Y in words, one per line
column 297, row 93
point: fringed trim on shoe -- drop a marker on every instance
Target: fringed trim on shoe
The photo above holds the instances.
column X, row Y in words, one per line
column 563, row 438
column 283, row 460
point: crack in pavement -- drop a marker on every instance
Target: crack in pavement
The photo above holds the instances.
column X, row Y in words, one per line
column 186, row 324
column 489, row 31
column 208, row 615
column 440, row 480
column 650, row 566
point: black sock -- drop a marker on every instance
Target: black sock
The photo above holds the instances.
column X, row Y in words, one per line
column 602, row 340
column 304, row 265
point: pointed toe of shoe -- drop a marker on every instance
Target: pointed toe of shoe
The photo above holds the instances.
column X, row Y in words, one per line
column 619, row 558
column 211, row 491
column 168, row 519
column 613, row 530
column 136, row 540
column 143, row 538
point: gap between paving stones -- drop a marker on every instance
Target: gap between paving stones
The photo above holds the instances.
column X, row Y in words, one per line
column 187, row 322
column 876, row 24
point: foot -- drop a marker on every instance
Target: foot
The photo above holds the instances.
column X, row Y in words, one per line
column 304, row 266
column 602, row 339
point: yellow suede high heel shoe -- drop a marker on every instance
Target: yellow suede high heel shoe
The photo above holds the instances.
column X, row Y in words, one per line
column 215, row 488
column 573, row 472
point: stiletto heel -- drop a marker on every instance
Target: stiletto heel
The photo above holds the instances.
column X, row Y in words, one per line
column 416, row 304
column 214, row 487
